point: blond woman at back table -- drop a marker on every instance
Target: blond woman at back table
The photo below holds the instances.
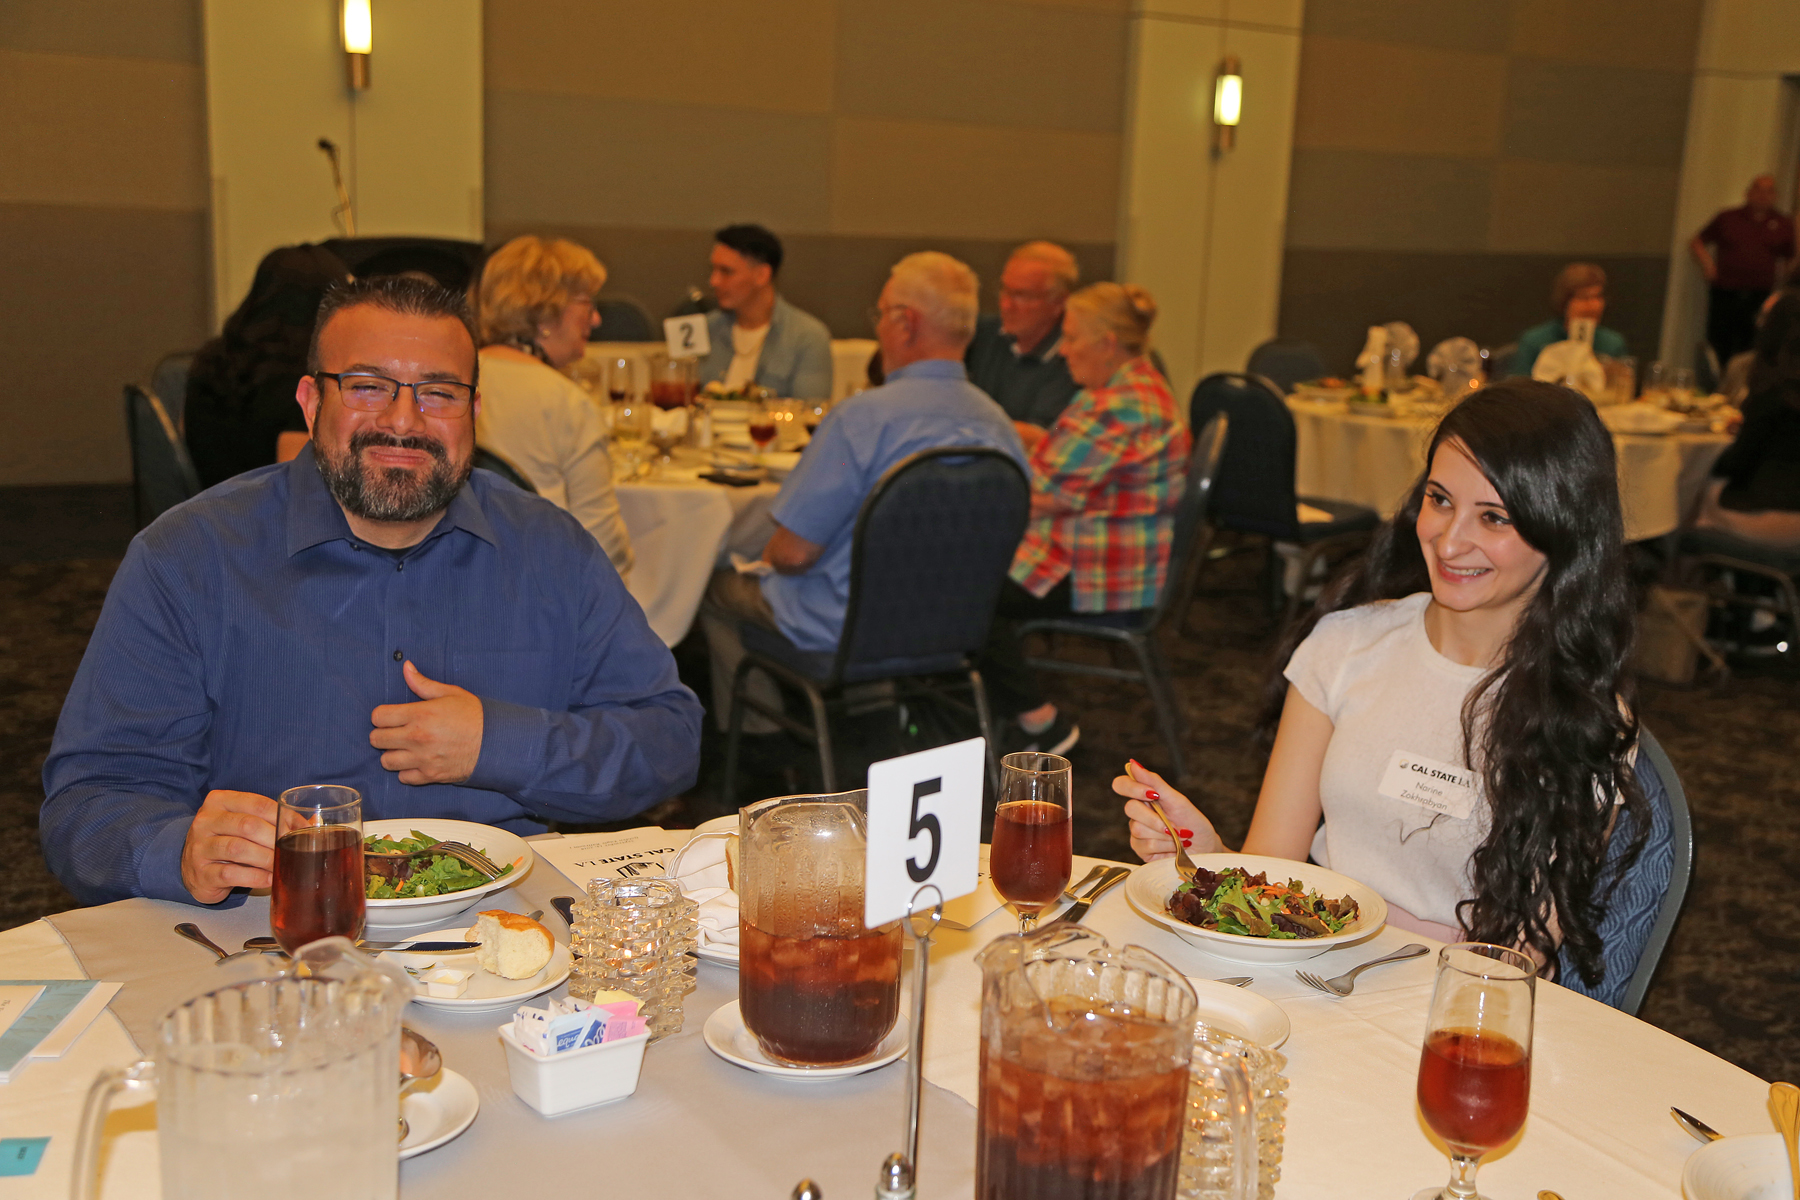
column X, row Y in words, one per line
column 534, row 307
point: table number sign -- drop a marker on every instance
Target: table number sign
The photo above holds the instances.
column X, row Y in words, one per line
column 924, row 828
column 687, row 336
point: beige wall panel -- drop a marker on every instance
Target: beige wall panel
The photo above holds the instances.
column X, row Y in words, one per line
column 1117, row 6
column 980, row 62
column 1549, row 208
column 1658, row 35
column 1402, row 99
column 1750, row 35
column 770, row 55
column 101, row 131
column 925, row 178
column 637, row 163
column 1480, row 27
column 153, row 265
column 1348, row 199
column 1582, row 113
column 1279, row 14
column 164, row 29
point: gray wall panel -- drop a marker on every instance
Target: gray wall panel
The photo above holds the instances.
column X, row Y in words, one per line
column 160, row 29
column 1483, row 27
column 1603, row 116
column 1351, row 199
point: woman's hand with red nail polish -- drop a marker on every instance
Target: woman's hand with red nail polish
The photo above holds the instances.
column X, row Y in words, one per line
column 1149, row 837
column 1150, row 795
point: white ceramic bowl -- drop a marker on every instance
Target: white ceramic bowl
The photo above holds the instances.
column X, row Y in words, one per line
column 497, row 844
column 1150, row 884
column 1753, row 1167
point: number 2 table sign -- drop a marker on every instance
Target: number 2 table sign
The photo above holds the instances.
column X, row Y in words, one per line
column 687, row 336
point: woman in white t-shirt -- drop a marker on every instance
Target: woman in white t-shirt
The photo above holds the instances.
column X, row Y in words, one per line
column 534, row 304
column 1452, row 721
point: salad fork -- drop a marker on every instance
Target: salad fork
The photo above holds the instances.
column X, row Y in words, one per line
column 1342, row 985
column 460, row 851
column 1184, row 866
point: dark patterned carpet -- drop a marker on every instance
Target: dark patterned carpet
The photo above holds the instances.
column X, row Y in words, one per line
column 1729, row 983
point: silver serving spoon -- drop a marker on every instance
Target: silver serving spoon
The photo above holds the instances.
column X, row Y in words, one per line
column 420, row 1059
column 191, row 932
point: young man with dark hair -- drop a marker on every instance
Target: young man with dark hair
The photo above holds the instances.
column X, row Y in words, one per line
column 756, row 336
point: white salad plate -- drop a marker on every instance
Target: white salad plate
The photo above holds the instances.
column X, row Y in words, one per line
column 1149, row 887
column 722, row 954
column 727, row 1037
column 1749, row 1167
column 435, row 1115
column 486, row 989
column 1242, row 1012
column 497, row 844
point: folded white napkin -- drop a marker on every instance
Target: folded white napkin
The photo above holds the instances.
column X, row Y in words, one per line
column 1571, row 364
column 706, row 880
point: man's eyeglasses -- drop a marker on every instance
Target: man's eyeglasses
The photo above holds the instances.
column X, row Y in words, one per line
column 373, row 393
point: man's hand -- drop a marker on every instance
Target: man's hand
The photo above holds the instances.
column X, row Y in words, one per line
column 789, row 553
column 230, row 844
column 437, row 739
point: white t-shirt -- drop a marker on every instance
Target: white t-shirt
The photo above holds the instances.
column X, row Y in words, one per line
column 544, row 424
column 746, row 352
column 1402, row 812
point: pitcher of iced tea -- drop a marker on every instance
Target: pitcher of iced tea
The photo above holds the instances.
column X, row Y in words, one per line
column 815, row 986
column 282, row 1085
column 1085, row 1059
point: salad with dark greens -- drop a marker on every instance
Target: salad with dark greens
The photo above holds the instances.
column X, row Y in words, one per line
column 409, row 878
column 1235, row 901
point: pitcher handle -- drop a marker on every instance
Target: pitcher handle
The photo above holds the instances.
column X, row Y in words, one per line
column 140, row 1076
column 1240, row 1115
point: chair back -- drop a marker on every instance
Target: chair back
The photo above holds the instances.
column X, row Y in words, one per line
column 1681, row 870
column 1187, row 552
column 489, row 461
column 623, row 319
column 1285, row 363
column 932, row 545
column 1254, row 491
column 168, row 383
column 162, row 474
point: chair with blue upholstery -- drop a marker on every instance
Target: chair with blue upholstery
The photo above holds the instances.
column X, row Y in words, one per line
column 1254, row 492
column 931, row 546
column 1642, row 910
column 168, row 383
column 487, row 460
column 623, row 319
column 1138, row 630
column 162, row 474
column 1284, row 363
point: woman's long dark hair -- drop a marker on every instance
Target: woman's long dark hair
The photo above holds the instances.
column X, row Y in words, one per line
column 267, row 336
column 1559, row 729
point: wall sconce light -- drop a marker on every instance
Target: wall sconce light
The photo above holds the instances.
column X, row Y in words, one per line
column 1228, row 102
column 359, row 42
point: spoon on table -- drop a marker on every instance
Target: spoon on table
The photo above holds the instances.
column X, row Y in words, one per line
column 191, row 932
column 420, row 1059
column 1784, row 1103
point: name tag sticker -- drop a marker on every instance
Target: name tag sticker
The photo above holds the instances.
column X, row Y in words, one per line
column 687, row 336
column 1439, row 786
column 19, row 1156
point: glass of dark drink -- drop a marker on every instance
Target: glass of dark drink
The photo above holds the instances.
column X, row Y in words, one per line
column 620, row 380
column 816, row 987
column 762, row 425
column 319, row 890
column 1475, row 1070
column 1029, row 856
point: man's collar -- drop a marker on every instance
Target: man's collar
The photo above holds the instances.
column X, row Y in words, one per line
column 1048, row 346
column 931, row 368
column 314, row 516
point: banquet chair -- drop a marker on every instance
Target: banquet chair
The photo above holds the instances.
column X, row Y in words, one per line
column 624, row 319
column 1285, row 363
column 931, row 545
column 168, row 383
column 488, row 460
column 1139, row 630
column 1254, row 492
column 162, row 474
column 1705, row 555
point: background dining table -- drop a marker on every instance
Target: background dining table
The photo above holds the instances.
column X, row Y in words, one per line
column 1373, row 460
column 1602, row 1082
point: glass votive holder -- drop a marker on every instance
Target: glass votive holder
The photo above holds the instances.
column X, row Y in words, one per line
column 1206, row 1144
column 633, row 936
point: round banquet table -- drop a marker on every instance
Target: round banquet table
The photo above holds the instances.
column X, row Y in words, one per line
column 1602, row 1082
column 1374, row 460
column 849, row 362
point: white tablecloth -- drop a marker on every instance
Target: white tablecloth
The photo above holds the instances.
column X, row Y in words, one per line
column 681, row 529
column 849, row 361
column 1374, row 460
column 1599, row 1127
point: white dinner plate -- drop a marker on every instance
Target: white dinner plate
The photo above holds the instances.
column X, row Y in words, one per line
column 727, row 1037
column 1750, row 1167
column 1242, row 1012
column 1150, row 884
column 486, row 989
column 412, row 913
column 721, row 954
column 435, row 1115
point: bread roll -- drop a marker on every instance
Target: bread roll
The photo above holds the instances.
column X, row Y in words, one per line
column 512, row 946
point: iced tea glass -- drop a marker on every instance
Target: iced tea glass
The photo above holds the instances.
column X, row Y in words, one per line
column 1032, row 846
column 318, row 890
column 1475, row 1069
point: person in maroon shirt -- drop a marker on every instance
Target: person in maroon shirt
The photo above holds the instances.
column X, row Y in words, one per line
column 1752, row 246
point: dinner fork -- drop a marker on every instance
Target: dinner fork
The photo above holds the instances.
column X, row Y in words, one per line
column 460, row 851
column 1184, row 866
column 1342, row 985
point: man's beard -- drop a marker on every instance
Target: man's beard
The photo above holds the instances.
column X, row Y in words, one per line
column 390, row 493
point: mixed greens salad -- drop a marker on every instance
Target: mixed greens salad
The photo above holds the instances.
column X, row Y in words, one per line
column 413, row 877
column 1235, row 901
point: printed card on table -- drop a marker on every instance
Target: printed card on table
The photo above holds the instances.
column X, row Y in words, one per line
column 630, row 853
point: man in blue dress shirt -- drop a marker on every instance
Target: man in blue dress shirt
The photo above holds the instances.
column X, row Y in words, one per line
column 924, row 320
column 368, row 614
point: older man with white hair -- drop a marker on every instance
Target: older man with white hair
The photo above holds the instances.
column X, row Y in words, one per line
column 924, row 319
column 1016, row 357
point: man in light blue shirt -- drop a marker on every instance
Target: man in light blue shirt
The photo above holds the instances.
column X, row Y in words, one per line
column 755, row 336
column 925, row 319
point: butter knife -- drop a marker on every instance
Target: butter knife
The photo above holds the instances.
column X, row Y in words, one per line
column 1079, row 909
column 269, row 943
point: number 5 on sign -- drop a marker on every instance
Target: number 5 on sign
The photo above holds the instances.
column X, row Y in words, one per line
column 924, row 827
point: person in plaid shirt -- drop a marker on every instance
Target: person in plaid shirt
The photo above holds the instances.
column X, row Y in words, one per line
column 1105, row 480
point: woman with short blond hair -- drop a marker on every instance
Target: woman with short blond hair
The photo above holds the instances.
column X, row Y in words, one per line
column 534, row 308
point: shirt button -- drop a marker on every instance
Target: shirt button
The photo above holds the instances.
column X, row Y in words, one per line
column 398, row 655
column 399, row 566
